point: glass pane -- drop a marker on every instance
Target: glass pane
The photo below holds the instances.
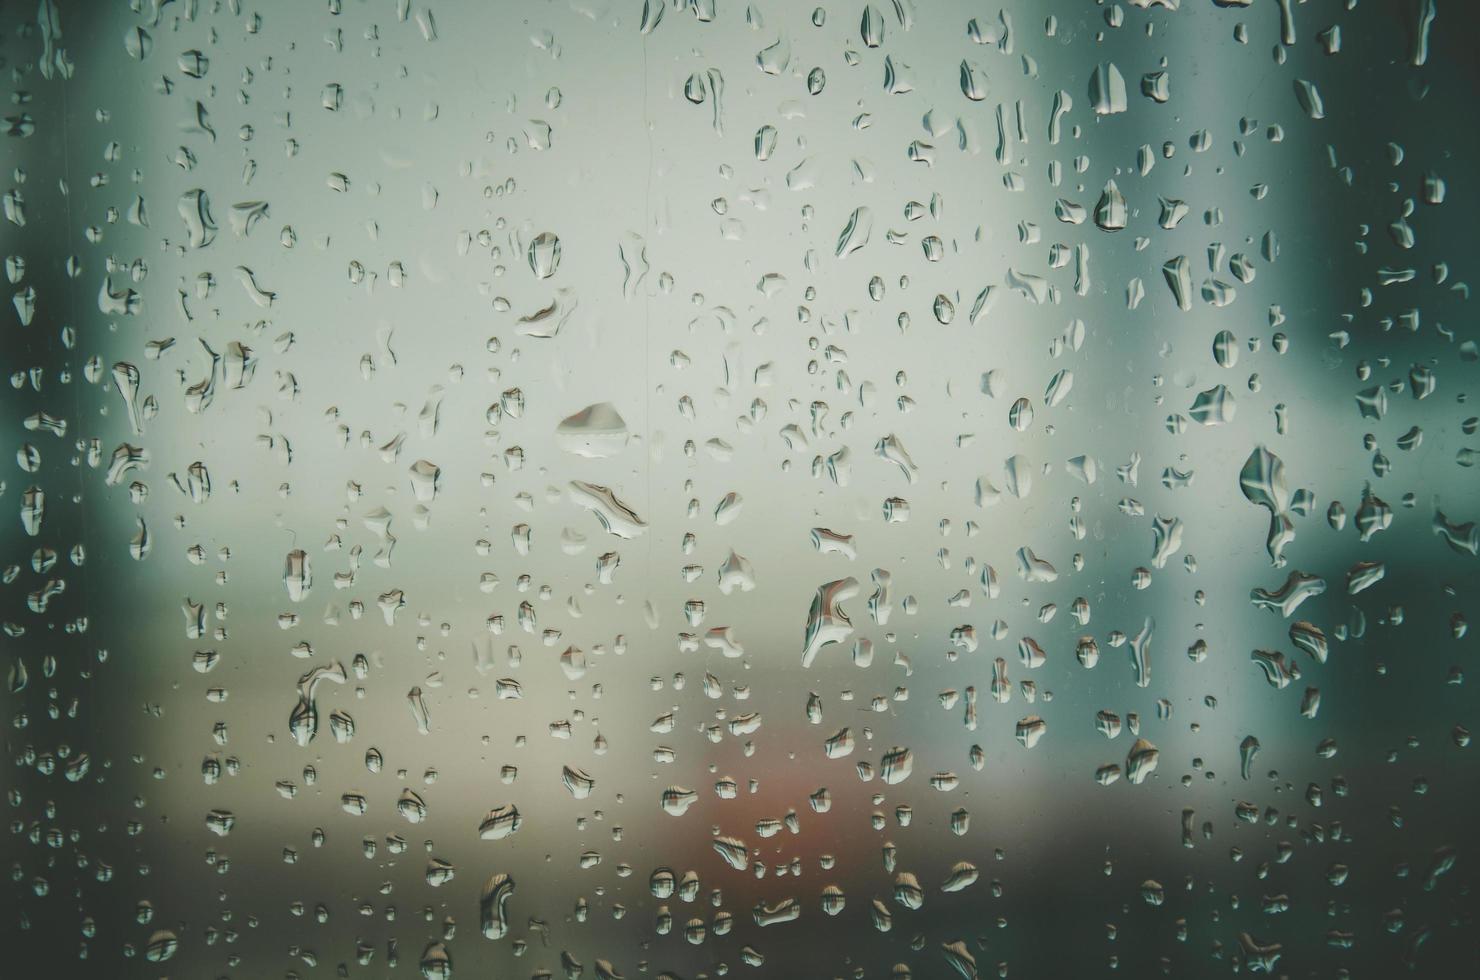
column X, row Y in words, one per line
column 606, row 488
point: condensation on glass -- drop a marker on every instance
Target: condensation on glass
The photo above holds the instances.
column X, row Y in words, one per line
column 906, row 488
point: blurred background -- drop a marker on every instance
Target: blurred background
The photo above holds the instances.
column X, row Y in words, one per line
column 413, row 403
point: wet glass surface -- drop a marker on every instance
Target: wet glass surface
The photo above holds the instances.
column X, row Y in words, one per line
column 680, row 488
